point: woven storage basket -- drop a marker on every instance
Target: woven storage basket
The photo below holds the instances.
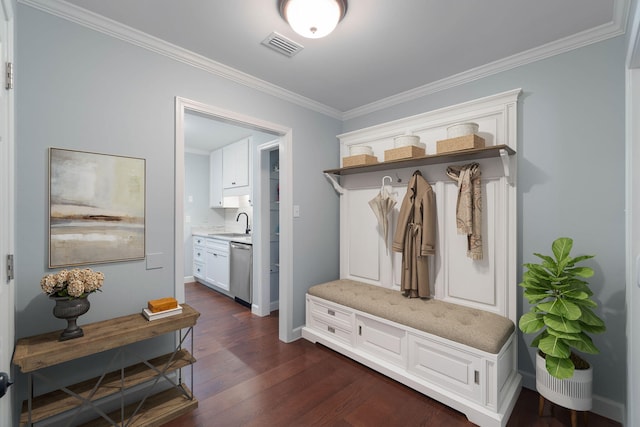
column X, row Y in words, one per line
column 358, row 160
column 460, row 143
column 406, row 152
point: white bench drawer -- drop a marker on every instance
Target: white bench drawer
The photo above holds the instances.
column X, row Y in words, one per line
column 332, row 315
column 450, row 368
column 382, row 340
column 321, row 324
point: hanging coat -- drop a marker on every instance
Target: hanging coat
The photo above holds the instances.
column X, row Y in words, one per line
column 415, row 236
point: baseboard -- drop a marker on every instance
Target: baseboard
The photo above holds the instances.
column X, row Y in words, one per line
column 296, row 333
column 601, row 405
column 275, row 305
column 189, row 279
column 608, row 408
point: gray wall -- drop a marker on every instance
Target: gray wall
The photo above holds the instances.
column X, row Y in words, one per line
column 79, row 89
column 570, row 177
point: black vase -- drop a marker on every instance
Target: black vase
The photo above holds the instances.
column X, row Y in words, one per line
column 70, row 309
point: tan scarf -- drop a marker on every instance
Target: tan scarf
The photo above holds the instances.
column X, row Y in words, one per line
column 469, row 206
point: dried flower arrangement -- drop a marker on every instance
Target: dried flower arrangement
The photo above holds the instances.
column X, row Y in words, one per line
column 75, row 283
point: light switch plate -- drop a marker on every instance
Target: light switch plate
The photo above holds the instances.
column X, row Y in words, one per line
column 296, row 211
column 155, row 260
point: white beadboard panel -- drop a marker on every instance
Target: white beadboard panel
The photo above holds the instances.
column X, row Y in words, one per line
column 466, row 280
column 363, row 236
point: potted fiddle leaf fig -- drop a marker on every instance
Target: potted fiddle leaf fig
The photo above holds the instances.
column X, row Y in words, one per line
column 562, row 316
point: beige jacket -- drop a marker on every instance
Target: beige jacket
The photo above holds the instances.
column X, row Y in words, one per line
column 415, row 236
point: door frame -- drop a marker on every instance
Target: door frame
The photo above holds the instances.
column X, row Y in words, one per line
column 632, row 220
column 262, row 234
column 285, row 134
column 7, row 213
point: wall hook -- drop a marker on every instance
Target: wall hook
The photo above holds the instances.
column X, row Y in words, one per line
column 398, row 178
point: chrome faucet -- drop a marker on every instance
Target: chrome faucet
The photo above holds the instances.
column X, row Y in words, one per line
column 247, row 229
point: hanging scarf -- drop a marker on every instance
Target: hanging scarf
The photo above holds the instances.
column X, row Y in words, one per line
column 469, row 206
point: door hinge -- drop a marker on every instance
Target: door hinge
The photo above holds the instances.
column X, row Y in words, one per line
column 9, row 76
column 9, row 267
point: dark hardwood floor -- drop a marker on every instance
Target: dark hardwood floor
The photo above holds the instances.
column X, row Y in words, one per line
column 245, row 376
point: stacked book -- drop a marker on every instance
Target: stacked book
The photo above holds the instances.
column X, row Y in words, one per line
column 160, row 308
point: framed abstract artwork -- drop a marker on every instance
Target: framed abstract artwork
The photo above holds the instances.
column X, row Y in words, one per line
column 96, row 208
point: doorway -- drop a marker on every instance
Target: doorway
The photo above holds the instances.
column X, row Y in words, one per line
column 283, row 145
column 267, row 220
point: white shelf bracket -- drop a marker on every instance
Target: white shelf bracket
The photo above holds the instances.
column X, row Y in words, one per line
column 332, row 178
column 506, row 165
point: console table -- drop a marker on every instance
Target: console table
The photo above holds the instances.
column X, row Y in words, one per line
column 41, row 351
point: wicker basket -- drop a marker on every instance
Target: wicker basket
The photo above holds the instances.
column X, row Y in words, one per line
column 460, row 143
column 405, row 152
column 358, row 160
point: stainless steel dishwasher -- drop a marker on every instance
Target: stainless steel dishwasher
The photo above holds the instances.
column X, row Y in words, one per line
column 240, row 275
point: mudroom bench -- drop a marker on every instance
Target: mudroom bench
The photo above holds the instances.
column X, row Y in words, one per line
column 461, row 356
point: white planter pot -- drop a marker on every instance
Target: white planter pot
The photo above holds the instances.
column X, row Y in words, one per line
column 571, row 393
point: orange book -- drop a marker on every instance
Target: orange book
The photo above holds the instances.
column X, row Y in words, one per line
column 162, row 304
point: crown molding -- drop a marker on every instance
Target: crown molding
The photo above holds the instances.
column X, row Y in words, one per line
column 122, row 32
column 613, row 28
column 125, row 33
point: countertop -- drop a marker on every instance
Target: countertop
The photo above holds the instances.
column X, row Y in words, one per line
column 228, row 236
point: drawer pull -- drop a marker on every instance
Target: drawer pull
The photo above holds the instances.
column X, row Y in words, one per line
column 331, row 312
column 359, row 330
column 476, row 376
column 331, row 329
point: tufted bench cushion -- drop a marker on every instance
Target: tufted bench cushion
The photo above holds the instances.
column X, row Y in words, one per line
column 475, row 328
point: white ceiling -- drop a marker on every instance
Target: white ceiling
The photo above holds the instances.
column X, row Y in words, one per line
column 381, row 49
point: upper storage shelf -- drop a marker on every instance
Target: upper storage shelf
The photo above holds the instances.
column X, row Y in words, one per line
column 502, row 151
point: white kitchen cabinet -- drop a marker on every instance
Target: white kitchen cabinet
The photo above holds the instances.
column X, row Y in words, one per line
column 199, row 252
column 235, row 172
column 215, row 181
column 217, row 263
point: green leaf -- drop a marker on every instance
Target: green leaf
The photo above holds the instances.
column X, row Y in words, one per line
column 554, row 346
column 560, row 368
column 581, row 271
column 563, row 335
column 561, row 248
column 575, row 294
column 530, row 322
column 561, row 324
column 540, row 337
column 590, row 318
column 535, row 296
column 539, row 273
column 583, row 343
column 581, row 258
column 561, row 307
column 584, row 303
column 550, row 262
column 592, row 329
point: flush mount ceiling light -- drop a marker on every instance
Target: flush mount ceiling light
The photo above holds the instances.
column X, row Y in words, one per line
column 313, row 18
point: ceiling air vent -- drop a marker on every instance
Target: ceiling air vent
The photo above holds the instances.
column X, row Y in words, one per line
column 281, row 44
